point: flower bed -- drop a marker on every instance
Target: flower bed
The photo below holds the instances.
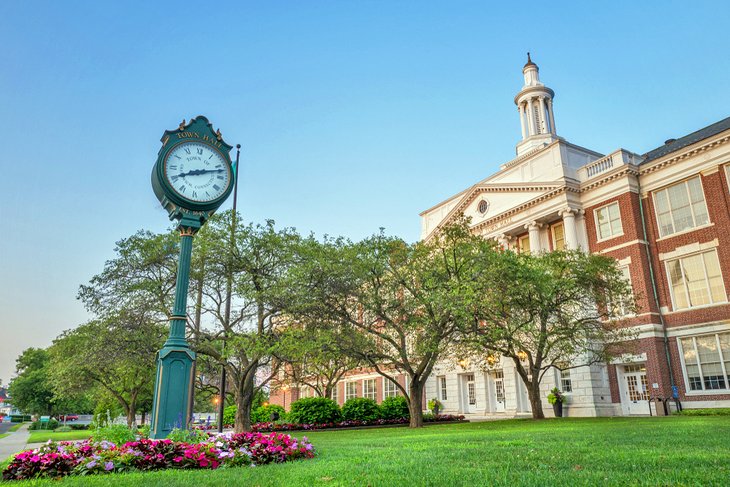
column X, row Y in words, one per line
column 55, row 460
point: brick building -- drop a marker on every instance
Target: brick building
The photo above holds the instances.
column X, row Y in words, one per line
column 664, row 216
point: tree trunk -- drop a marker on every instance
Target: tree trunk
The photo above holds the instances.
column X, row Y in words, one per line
column 244, row 400
column 415, row 404
column 131, row 416
column 144, row 416
column 533, row 392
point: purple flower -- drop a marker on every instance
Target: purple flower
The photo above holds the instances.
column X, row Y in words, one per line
column 109, row 466
column 91, row 464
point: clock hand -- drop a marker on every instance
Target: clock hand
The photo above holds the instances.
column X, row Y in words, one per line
column 197, row 172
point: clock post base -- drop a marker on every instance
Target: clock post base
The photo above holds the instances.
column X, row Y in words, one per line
column 172, row 406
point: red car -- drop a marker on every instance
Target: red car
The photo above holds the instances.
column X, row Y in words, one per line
column 68, row 417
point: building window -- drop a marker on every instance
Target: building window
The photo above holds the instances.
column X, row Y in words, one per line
column 681, row 207
column 389, row 388
column 305, row 391
column 622, row 307
column 608, row 221
column 350, row 390
column 706, row 361
column 442, row 387
column 483, row 207
column 523, row 244
column 471, row 390
column 369, row 389
column 696, row 280
column 335, row 395
column 558, row 237
column 566, row 384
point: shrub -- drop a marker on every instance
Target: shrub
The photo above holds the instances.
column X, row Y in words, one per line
column 188, row 436
column 705, row 412
column 144, row 431
column 63, row 429
column 314, row 410
column 51, row 424
column 118, row 434
column 361, row 409
column 262, row 414
column 229, row 415
column 395, row 407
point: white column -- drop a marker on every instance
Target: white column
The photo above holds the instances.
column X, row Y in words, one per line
column 552, row 116
column 571, row 232
column 534, row 229
column 504, row 241
column 542, row 127
column 520, row 109
column 531, row 118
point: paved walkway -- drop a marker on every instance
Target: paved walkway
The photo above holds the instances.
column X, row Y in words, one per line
column 15, row 442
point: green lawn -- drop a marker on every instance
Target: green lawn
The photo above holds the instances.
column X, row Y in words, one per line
column 40, row 436
column 16, row 427
column 3, row 435
column 606, row 451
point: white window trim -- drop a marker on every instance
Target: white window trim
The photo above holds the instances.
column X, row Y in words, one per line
column 656, row 213
column 348, row 396
column 375, row 389
column 671, row 288
column 703, row 392
column 598, row 228
column 442, row 390
column 386, row 384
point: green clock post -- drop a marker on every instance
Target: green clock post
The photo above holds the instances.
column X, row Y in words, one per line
column 192, row 177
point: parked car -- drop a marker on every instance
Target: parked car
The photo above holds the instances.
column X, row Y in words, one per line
column 68, row 417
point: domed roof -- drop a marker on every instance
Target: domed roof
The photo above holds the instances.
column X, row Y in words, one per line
column 529, row 62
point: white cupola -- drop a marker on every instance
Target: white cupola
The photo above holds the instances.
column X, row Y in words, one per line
column 535, row 105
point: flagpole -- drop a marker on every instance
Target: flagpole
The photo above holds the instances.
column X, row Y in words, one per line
column 229, row 292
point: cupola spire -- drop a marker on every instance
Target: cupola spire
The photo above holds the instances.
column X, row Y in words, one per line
column 535, row 105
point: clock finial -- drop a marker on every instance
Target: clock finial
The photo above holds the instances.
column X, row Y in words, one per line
column 218, row 134
column 182, row 125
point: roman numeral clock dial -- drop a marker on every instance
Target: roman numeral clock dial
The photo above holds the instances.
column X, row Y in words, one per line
column 197, row 172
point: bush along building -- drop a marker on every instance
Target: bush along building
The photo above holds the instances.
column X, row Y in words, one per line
column 664, row 216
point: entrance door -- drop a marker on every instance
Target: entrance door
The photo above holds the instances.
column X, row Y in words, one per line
column 499, row 391
column 636, row 393
column 470, row 393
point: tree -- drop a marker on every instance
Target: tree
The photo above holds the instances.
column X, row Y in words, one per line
column 544, row 311
column 388, row 301
column 30, row 390
column 141, row 277
column 116, row 354
column 245, row 340
column 308, row 357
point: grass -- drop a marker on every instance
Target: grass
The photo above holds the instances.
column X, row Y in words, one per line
column 40, row 436
column 597, row 451
column 3, row 435
column 15, row 427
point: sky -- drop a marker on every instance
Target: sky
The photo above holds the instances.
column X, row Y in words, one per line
column 353, row 115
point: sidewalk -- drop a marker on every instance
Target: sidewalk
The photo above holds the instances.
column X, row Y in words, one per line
column 14, row 443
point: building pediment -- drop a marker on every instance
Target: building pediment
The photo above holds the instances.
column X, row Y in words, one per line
column 488, row 202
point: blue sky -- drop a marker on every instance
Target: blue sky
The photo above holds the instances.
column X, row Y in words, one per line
column 352, row 115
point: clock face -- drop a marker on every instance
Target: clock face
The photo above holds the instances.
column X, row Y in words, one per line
column 197, row 172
